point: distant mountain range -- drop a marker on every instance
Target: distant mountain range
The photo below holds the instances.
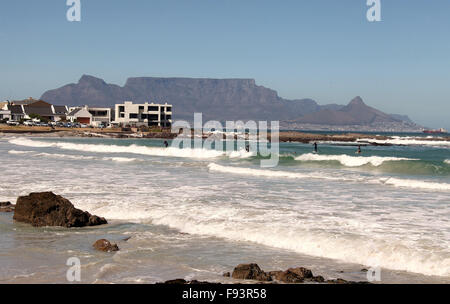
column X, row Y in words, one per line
column 223, row 99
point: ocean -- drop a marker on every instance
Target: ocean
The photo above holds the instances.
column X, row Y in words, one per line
column 195, row 214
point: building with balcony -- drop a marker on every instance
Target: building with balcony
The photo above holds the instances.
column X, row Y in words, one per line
column 144, row 114
column 94, row 116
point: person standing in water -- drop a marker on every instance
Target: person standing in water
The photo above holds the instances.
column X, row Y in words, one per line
column 315, row 147
column 166, row 144
column 359, row 150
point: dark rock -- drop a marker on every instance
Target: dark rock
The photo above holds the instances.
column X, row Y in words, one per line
column 317, row 279
column 183, row 282
column 105, row 245
column 342, row 281
column 364, row 270
column 49, row 209
column 301, row 272
column 227, row 274
column 337, row 281
column 195, row 282
column 250, row 272
column 286, row 276
column 176, row 281
column 6, row 207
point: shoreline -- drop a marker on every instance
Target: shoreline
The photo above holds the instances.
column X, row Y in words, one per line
column 333, row 271
column 284, row 136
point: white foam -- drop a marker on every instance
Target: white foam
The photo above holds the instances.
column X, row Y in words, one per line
column 120, row 159
column 410, row 183
column 447, row 161
column 407, row 141
column 64, row 156
column 30, row 143
column 19, row 152
column 350, row 161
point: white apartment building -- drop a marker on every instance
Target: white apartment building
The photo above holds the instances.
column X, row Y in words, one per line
column 144, row 114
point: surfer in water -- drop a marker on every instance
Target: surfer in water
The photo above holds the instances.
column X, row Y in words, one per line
column 247, row 148
column 359, row 150
column 166, row 144
column 315, row 147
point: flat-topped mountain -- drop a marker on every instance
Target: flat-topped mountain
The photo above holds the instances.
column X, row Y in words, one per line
column 218, row 99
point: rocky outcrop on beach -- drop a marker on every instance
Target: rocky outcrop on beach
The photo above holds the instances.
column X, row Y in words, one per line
column 6, row 207
column 48, row 209
column 105, row 246
column 290, row 276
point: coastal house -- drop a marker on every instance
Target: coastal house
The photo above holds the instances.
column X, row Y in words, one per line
column 4, row 112
column 94, row 116
column 26, row 109
column 144, row 114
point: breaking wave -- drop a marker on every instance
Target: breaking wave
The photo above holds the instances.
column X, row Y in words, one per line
column 407, row 141
column 271, row 173
column 133, row 149
column 410, row 183
column 447, row 161
column 350, row 161
column 396, row 182
column 285, row 231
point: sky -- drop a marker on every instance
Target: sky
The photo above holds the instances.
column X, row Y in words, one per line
column 326, row 50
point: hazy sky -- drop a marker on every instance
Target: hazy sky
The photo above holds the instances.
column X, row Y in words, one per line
column 320, row 49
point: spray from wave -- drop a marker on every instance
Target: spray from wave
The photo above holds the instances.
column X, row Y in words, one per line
column 351, row 161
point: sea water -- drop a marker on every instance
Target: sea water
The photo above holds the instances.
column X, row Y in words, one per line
column 196, row 213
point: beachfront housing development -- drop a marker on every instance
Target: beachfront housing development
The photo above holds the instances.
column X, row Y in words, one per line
column 29, row 108
column 125, row 114
column 144, row 114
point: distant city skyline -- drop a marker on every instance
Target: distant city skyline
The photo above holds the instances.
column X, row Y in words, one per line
column 324, row 50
